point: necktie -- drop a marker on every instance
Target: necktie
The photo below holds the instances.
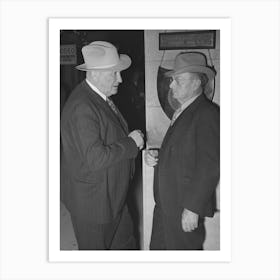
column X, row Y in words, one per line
column 175, row 116
column 116, row 111
column 112, row 106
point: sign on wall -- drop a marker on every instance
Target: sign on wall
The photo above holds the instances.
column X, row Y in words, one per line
column 68, row 54
column 202, row 39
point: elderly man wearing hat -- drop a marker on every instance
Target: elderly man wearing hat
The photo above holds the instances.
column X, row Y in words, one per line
column 187, row 168
column 98, row 152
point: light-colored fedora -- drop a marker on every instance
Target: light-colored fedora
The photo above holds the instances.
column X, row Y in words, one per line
column 103, row 56
column 193, row 62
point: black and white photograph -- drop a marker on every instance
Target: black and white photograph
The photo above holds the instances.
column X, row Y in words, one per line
column 102, row 138
column 139, row 140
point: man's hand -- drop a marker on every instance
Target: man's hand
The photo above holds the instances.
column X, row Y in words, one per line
column 189, row 220
column 151, row 157
column 138, row 138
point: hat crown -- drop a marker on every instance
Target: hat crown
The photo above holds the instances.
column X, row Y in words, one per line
column 100, row 54
column 184, row 60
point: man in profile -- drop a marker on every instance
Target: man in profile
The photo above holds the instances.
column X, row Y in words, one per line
column 187, row 168
column 98, row 154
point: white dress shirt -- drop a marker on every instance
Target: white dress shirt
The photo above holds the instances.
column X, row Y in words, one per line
column 94, row 88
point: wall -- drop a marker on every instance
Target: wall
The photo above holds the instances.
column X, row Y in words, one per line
column 157, row 123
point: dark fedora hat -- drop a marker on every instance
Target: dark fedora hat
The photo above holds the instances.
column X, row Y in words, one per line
column 193, row 62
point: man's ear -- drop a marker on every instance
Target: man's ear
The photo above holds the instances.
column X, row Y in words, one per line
column 196, row 83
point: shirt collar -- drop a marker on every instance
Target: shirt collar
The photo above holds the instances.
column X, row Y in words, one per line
column 94, row 88
column 188, row 103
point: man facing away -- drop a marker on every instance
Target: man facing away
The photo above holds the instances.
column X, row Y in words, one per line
column 98, row 152
column 187, row 168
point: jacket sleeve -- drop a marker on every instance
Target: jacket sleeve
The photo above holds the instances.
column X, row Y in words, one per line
column 86, row 131
column 207, row 163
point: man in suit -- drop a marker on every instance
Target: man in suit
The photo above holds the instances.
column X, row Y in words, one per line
column 188, row 164
column 98, row 152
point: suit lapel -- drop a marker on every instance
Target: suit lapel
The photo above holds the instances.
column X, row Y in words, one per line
column 103, row 104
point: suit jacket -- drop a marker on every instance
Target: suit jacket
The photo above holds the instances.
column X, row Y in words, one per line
column 189, row 161
column 97, row 157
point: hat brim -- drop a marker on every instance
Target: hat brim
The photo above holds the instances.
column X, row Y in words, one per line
column 123, row 64
column 192, row 69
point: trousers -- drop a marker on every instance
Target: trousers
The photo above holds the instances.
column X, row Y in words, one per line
column 117, row 235
column 167, row 233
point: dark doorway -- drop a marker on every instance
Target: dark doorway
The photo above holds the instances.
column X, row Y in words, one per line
column 130, row 98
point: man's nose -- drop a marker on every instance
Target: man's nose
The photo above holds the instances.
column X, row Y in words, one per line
column 119, row 77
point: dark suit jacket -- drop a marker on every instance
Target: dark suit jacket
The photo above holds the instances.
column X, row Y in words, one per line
column 189, row 161
column 97, row 157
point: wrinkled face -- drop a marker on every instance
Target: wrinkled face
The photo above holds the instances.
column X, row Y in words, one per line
column 107, row 82
column 183, row 86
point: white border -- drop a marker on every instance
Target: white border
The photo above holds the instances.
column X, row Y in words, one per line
column 224, row 254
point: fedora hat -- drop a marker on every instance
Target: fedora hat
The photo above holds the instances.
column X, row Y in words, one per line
column 193, row 62
column 103, row 56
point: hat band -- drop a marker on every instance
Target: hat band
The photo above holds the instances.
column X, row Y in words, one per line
column 101, row 67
